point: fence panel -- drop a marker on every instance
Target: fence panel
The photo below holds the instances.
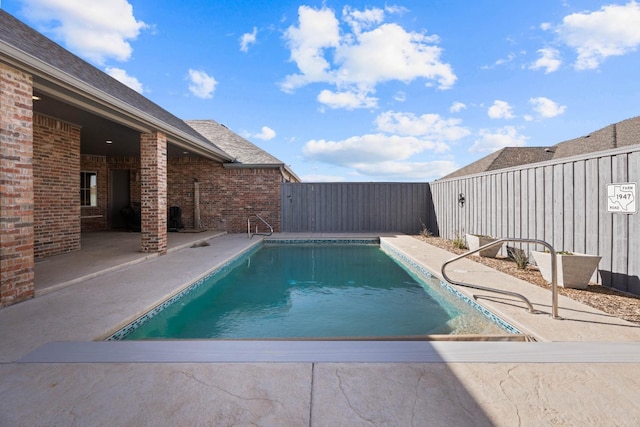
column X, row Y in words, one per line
column 633, row 272
column 563, row 202
column 357, row 207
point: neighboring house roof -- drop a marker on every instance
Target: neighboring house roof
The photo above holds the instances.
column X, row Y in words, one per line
column 621, row 134
column 245, row 153
column 59, row 71
column 504, row 158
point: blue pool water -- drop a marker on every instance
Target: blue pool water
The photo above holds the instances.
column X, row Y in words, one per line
column 305, row 291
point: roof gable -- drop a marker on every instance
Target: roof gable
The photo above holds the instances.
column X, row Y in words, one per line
column 245, row 153
column 242, row 150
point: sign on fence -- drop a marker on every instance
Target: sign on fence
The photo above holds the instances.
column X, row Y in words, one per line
column 621, row 198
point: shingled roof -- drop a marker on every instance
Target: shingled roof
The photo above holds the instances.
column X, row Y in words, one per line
column 504, row 158
column 621, row 134
column 245, row 153
column 51, row 64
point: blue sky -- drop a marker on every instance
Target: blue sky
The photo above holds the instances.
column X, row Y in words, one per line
column 367, row 91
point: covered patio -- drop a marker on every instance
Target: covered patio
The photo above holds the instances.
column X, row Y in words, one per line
column 102, row 253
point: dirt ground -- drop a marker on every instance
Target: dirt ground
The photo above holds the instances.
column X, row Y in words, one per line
column 611, row 301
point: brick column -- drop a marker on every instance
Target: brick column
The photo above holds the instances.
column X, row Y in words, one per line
column 153, row 164
column 16, row 186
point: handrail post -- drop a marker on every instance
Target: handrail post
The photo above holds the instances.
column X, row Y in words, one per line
column 554, row 283
column 265, row 223
column 554, row 273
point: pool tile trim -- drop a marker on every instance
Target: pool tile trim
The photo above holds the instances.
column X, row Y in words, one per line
column 328, row 241
column 128, row 329
column 403, row 258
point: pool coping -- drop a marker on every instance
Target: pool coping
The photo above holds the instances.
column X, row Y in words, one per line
column 323, row 351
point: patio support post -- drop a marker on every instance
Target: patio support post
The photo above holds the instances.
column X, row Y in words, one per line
column 16, row 186
column 153, row 163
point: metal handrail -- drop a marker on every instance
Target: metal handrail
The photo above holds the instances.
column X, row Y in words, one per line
column 554, row 273
column 256, row 232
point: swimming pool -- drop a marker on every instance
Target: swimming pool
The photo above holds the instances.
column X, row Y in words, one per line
column 320, row 290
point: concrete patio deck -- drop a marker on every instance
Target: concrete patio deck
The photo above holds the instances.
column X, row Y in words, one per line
column 583, row 371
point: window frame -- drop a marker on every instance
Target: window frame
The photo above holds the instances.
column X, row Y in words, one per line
column 88, row 195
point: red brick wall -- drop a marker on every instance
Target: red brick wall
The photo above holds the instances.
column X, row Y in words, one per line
column 153, row 168
column 56, row 182
column 227, row 196
column 16, row 187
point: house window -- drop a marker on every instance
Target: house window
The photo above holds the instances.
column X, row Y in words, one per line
column 88, row 189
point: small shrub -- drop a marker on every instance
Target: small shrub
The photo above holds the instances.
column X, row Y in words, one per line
column 520, row 257
column 425, row 232
column 459, row 242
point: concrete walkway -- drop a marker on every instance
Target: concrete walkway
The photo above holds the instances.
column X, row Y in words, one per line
column 583, row 371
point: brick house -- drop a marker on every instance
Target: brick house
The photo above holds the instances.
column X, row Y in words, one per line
column 77, row 146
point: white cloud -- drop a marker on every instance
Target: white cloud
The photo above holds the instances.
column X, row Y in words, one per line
column 500, row 61
column 549, row 60
column 614, row 30
column 201, row 84
column 321, row 178
column 500, row 110
column 362, row 19
column 248, row 39
column 347, row 100
column 431, row 127
column 491, row 141
column 403, row 171
column 266, row 134
column 96, row 30
column 122, row 76
column 456, row 107
column 546, row 108
column 400, row 96
column 370, row 148
column 387, row 154
column 317, row 30
column 356, row 62
column 388, row 52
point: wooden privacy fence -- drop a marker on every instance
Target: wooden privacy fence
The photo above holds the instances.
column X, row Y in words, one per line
column 563, row 202
column 356, row 207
